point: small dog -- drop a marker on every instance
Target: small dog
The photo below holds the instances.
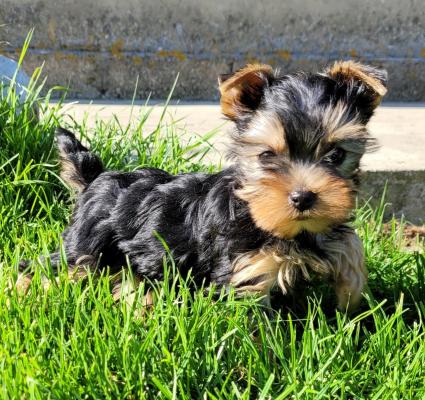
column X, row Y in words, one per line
column 279, row 211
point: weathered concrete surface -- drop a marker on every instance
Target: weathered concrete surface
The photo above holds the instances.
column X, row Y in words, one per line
column 399, row 162
column 405, row 192
column 100, row 47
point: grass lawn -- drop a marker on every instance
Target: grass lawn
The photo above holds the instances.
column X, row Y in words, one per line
column 73, row 341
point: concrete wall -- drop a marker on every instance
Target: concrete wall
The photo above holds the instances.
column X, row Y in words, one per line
column 99, row 47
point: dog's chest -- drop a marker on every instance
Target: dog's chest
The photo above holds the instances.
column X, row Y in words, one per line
column 260, row 270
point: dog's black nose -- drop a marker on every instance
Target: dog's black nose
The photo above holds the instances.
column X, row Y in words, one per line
column 302, row 200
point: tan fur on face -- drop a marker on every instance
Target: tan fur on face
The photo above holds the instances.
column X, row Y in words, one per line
column 251, row 80
column 356, row 71
column 339, row 127
column 259, row 271
column 268, row 201
column 265, row 130
column 350, row 133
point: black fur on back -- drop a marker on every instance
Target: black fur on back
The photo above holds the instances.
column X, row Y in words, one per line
column 205, row 226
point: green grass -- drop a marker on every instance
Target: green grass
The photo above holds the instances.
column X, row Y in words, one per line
column 73, row 341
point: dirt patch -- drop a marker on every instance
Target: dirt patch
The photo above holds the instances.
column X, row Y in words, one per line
column 413, row 236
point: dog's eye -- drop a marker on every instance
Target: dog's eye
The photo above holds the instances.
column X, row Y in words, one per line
column 337, row 156
column 266, row 155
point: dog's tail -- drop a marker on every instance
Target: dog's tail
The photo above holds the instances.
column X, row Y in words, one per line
column 79, row 167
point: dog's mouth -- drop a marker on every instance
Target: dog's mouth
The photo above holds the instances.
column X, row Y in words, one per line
column 311, row 222
column 307, row 215
column 303, row 218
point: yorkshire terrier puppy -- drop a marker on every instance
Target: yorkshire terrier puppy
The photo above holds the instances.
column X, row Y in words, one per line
column 281, row 210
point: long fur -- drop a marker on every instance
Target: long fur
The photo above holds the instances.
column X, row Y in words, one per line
column 79, row 167
column 237, row 227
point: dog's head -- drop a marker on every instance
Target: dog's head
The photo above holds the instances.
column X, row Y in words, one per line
column 298, row 142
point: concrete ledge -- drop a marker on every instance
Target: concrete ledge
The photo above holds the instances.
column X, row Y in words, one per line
column 405, row 192
column 99, row 48
column 104, row 76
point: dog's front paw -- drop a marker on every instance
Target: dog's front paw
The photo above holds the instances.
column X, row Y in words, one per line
column 351, row 275
column 349, row 289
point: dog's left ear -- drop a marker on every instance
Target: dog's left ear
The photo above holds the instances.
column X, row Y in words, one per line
column 373, row 79
column 242, row 91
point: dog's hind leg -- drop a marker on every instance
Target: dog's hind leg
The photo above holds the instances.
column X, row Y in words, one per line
column 76, row 270
column 125, row 288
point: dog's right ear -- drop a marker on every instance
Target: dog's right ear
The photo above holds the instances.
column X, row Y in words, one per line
column 242, row 91
column 373, row 79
